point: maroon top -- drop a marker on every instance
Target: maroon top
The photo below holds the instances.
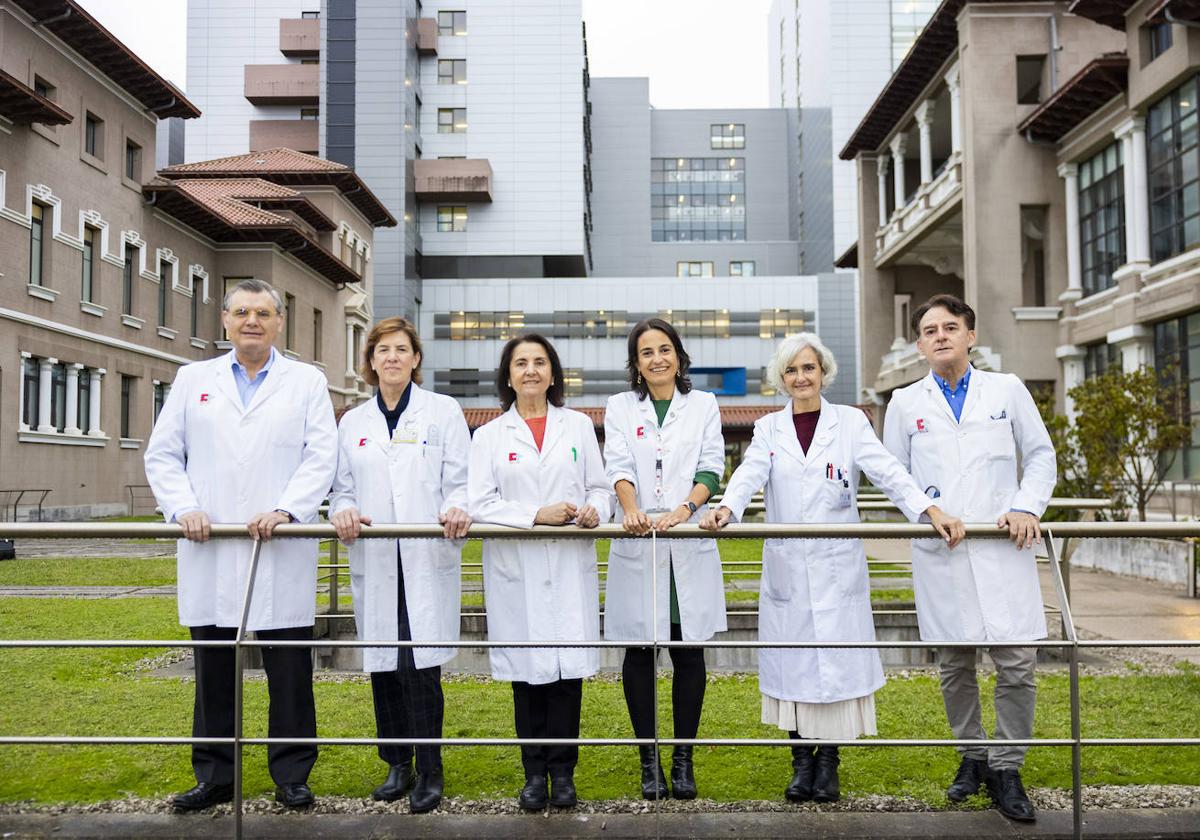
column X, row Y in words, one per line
column 806, row 424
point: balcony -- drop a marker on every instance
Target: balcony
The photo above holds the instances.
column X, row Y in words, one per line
column 300, row 37
column 282, row 84
column 453, row 179
column 427, row 36
column 934, row 199
column 301, row 135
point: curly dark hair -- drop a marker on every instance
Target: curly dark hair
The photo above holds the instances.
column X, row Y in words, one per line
column 682, row 383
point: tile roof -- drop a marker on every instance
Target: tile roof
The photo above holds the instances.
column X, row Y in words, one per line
column 287, row 166
column 1081, row 96
column 23, row 105
column 83, row 33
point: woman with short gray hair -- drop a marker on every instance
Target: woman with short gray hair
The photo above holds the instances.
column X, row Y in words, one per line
column 808, row 457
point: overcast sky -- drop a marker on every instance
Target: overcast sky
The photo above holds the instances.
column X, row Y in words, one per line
column 697, row 53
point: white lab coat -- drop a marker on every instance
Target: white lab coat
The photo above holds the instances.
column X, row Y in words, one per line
column 410, row 478
column 691, row 442
column 209, row 453
column 985, row 589
column 817, row 590
column 541, row 589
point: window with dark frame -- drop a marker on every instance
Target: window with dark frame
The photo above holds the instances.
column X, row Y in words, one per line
column 43, row 88
column 127, row 396
column 310, row 113
column 289, row 321
column 1158, row 39
column 310, row 15
column 1030, row 69
column 697, row 199
column 1101, row 218
column 93, row 135
column 83, row 400
column 37, row 243
column 727, row 135
column 197, row 294
column 30, row 387
column 1173, row 140
column 694, row 268
column 87, row 279
column 452, row 120
column 127, row 278
column 1098, row 358
column 133, row 161
column 741, row 268
column 164, row 289
column 451, row 219
column 317, row 331
column 452, row 23
column 1177, row 355
column 452, row 71
column 58, row 396
column 160, row 397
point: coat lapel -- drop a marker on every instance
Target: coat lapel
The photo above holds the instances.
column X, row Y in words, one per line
column 225, row 383
column 555, row 421
column 974, row 396
column 518, row 428
column 675, row 410
column 280, row 368
column 935, row 396
column 377, row 431
column 785, row 433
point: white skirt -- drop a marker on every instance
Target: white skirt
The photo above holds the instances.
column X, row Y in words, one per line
column 840, row 720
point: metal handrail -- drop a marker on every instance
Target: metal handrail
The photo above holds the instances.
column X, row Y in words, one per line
column 1071, row 642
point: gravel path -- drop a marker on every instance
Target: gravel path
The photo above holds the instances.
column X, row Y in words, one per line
column 1099, row 797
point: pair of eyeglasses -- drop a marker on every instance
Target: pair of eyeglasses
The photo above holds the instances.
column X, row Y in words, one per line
column 242, row 313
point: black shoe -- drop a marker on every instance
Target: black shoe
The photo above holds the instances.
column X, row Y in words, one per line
column 203, row 795
column 533, row 795
column 683, row 775
column 295, row 795
column 399, row 781
column 562, row 789
column 825, row 777
column 654, row 783
column 800, row 789
column 1006, row 790
column 427, row 792
column 967, row 780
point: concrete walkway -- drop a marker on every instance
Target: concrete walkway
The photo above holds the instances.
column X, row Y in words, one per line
column 1168, row 824
column 1106, row 605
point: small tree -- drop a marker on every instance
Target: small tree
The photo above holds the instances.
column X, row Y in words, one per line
column 1127, row 432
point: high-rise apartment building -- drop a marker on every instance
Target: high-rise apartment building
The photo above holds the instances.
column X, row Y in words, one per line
column 828, row 59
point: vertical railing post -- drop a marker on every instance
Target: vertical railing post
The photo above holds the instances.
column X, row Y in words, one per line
column 237, row 691
column 334, row 581
column 1064, row 606
column 654, row 667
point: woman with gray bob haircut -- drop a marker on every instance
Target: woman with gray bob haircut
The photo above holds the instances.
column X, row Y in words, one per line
column 807, row 458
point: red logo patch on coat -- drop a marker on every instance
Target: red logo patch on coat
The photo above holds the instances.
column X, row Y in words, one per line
column 512, row 457
column 921, row 425
column 641, row 432
column 362, row 441
column 204, row 398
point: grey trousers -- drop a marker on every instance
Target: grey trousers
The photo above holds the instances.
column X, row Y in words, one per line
column 1016, row 694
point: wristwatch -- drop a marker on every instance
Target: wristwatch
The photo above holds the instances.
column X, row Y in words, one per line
column 691, row 506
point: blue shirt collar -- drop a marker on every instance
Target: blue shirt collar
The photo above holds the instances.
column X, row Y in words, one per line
column 238, row 367
column 960, row 385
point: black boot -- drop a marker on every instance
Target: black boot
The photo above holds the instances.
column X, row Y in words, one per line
column 399, row 781
column 825, row 778
column 534, row 795
column 654, row 783
column 427, row 791
column 683, row 777
column 800, row 789
column 562, row 788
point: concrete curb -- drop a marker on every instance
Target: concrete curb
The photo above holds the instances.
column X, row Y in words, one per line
column 1165, row 824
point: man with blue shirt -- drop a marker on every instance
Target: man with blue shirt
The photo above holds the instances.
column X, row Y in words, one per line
column 246, row 437
column 962, row 432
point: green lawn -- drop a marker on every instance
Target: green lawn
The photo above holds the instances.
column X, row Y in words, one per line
column 63, row 692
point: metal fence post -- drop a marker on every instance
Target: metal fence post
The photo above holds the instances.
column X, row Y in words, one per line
column 1064, row 605
column 237, row 691
column 334, row 577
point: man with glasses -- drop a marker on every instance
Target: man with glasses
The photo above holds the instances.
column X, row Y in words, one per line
column 246, row 437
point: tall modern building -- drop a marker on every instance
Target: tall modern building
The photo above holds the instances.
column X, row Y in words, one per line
column 468, row 119
column 828, row 59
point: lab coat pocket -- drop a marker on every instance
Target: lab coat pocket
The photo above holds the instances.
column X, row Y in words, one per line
column 1000, row 444
column 431, row 463
column 777, row 573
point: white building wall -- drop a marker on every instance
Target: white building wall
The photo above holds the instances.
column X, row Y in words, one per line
column 524, row 101
column 223, row 36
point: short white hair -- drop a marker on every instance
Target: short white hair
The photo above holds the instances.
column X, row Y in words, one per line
column 254, row 287
column 787, row 350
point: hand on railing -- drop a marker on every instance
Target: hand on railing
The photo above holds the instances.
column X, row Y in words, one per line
column 1022, row 528
column 559, row 514
column 950, row 527
column 455, row 523
column 195, row 525
column 587, row 517
column 672, row 518
column 636, row 522
column 715, row 519
column 263, row 526
column 348, row 524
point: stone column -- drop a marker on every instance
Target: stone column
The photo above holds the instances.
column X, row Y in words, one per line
column 952, row 86
column 21, row 424
column 94, row 403
column 881, row 168
column 1141, row 196
column 925, row 127
column 350, row 350
column 898, row 145
column 1071, row 357
column 1069, row 172
column 1136, row 343
column 71, row 427
column 45, row 383
column 1133, row 245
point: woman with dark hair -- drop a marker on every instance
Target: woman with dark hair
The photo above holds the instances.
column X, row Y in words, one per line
column 664, row 457
column 402, row 458
column 539, row 464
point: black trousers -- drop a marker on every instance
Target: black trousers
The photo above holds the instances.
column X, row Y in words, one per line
column 548, row 711
column 293, row 713
column 687, row 687
column 408, row 701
